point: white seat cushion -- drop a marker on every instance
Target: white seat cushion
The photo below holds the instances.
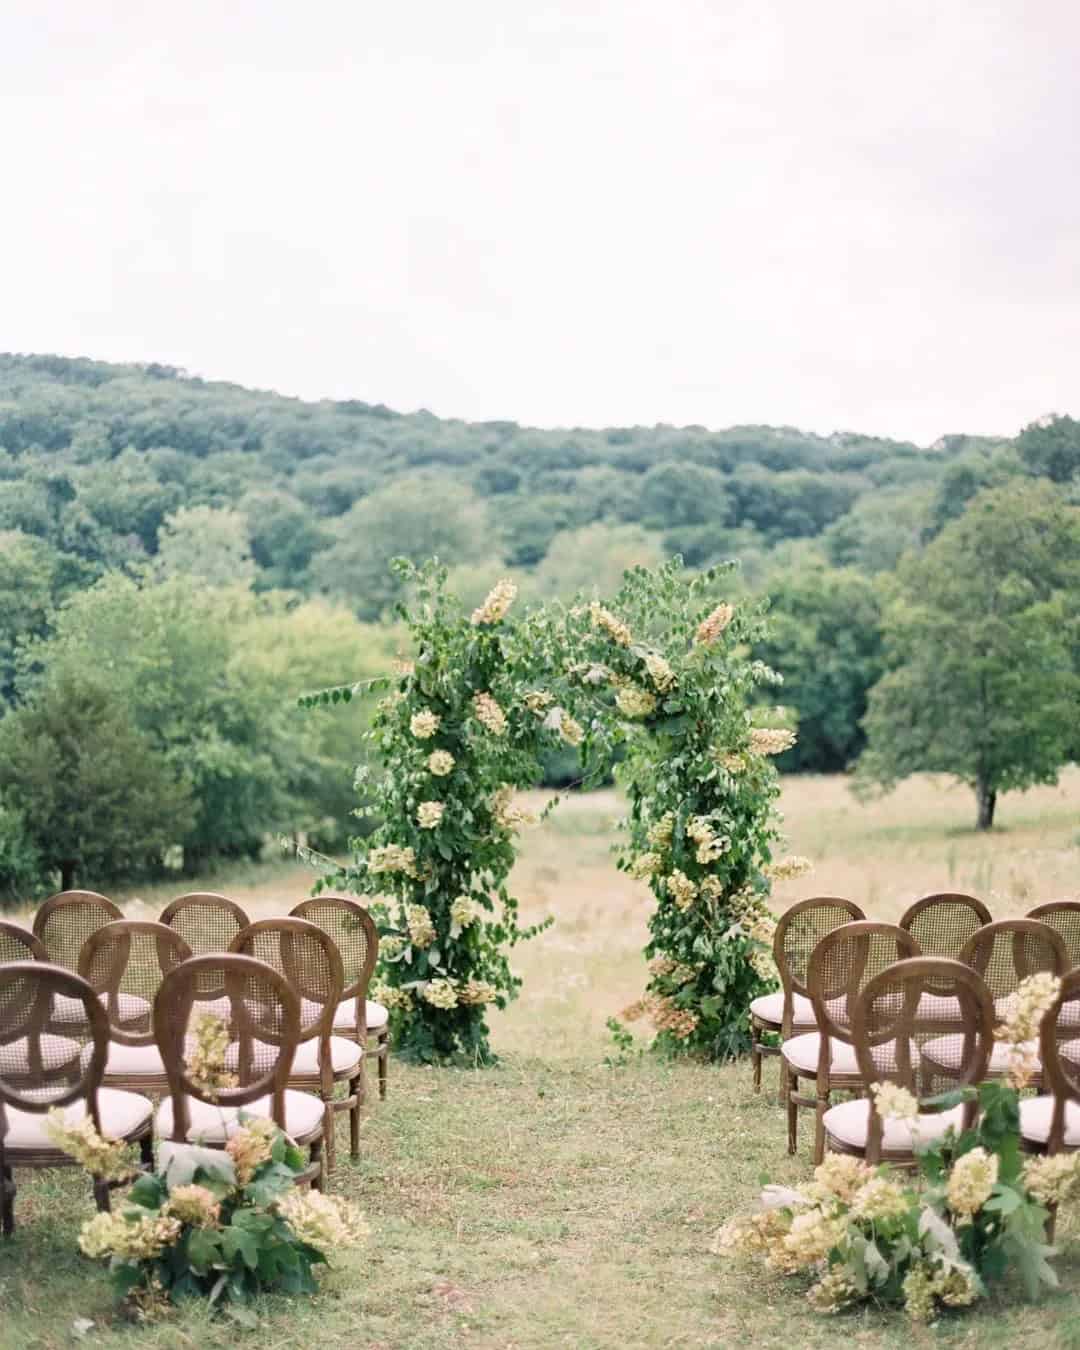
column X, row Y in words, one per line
column 122, row 1114
column 212, row 1124
column 55, row 1052
column 345, row 1017
column 131, row 1007
column 948, row 1051
column 1036, row 1114
column 344, row 1055
column 849, row 1122
column 801, row 1052
column 770, row 1008
column 939, row 1007
column 133, row 1060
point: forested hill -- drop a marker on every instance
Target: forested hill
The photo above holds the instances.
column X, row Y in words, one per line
column 96, row 458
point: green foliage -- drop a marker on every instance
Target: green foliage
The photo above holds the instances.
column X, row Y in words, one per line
column 211, row 544
column 825, row 637
column 1051, row 448
column 94, row 799
column 981, row 643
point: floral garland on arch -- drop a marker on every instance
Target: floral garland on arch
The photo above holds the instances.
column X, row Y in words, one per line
column 460, row 728
column 672, row 668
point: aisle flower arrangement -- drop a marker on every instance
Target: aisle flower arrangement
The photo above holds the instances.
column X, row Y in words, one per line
column 224, row 1225
column 977, row 1209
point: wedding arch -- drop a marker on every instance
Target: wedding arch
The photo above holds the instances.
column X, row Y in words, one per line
column 663, row 670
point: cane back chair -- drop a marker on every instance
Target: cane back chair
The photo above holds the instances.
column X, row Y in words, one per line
column 65, row 921
column 124, row 962
column 206, row 921
column 1063, row 916
column 357, row 939
column 19, row 944
column 891, row 1021
column 841, row 964
column 941, row 924
column 39, row 1071
column 798, row 931
column 1051, row 1123
column 310, row 961
column 258, row 1012
column 1005, row 953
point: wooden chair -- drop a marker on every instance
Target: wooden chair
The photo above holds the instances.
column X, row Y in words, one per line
column 124, row 963
column 357, row 939
column 65, row 921
column 261, row 1013
column 310, row 961
column 206, row 921
column 19, row 944
column 1004, row 953
column 841, row 964
column 798, row 931
column 37, row 1074
column 1051, row 1123
column 942, row 924
column 1063, row 916
column 891, row 1021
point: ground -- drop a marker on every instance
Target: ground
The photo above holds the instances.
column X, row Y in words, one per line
column 567, row 1198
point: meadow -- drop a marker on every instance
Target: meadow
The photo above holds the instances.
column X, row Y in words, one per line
column 569, row 1196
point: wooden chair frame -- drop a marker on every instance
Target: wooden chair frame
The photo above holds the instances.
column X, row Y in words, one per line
column 84, row 1076
column 325, row 1078
column 31, row 948
column 1047, row 912
column 359, row 988
column 1063, row 1086
column 57, row 904
column 790, row 985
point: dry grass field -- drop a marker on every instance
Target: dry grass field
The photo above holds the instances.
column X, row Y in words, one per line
column 560, row 1201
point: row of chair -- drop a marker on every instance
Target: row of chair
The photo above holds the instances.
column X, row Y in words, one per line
column 826, row 952
column 927, row 1024
column 125, row 1024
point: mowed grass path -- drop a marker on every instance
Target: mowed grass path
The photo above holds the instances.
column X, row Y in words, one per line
column 560, row 1201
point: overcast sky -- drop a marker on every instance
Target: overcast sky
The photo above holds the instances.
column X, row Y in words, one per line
column 855, row 214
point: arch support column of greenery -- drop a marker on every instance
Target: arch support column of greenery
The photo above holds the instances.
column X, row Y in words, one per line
column 666, row 671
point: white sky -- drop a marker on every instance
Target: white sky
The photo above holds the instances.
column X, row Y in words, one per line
column 850, row 214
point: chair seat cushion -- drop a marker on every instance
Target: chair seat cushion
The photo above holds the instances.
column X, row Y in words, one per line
column 53, row 1051
column 131, row 1008
column 134, row 1060
column 939, row 1007
column 210, row 1124
column 1036, row 1114
column 375, row 1014
column 123, row 1114
column 849, row 1122
column 801, row 1052
column 344, row 1056
column 770, row 1008
column 948, row 1051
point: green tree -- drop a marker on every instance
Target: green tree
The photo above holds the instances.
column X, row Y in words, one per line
column 981, row 644
column 413, row 517
column 1050, row 447
column 95, row 800
column 29, row 571
column 592, row 560
column 824, row 638
column 210, row 543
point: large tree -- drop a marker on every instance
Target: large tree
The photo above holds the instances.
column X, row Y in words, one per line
column 981, row 641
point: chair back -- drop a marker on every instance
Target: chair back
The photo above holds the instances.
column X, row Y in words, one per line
column 844, row 962
column 65, row 921
column 942, row 924
column 206, row 921
column 39, row 1070
column 892, row 1020
column 257, row 1014
column 19, row 944
column 354, row 934
column 126, row 962
column 1059, row 1050
column 1006, row 952
column 799, row 930
column 1063, row 916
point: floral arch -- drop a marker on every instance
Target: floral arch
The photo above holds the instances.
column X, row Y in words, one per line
column 664, row 671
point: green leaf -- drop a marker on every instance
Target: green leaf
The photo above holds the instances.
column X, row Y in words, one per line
column 242, row 1242
column 203, row 1249
column 148, row 1191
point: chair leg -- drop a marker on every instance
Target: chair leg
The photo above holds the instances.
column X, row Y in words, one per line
column 384, row 1058
column 101, row 1195
column 819, row 1130
column 146, row 1150
column 329, row 1134
column 356, row 1087
column 755, row 1054
column 792, row 1114
column 7, row 1202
